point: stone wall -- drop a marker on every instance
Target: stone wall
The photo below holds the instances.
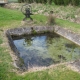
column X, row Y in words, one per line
column 29, row 30
column 74, row 37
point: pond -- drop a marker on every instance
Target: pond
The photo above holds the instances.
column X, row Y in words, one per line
column 45, row 49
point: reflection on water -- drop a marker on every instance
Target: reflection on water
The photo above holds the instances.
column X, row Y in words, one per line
column 44, row 50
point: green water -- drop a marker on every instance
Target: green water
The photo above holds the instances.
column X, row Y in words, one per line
column 46, row 49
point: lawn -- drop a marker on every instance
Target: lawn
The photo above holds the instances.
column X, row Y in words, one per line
column 12, row 19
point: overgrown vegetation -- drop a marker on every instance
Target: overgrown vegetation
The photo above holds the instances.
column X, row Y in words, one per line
column 67, row 2
column 57, row 2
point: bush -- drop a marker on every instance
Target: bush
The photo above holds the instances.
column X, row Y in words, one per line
column 66, row 2
column 75, row 2
column 57, row 2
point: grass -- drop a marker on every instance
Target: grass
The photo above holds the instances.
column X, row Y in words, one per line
column 9, row 17
column 63, row 12
column 70, row 25
column 12, row 19
column 1, row 41
column 39, row 19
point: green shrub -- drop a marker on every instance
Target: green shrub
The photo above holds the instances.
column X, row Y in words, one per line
column 75, row 2
column 66, row 2
column 58, row 2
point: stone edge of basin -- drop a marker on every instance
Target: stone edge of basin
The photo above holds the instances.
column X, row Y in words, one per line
column 38, row 29
column 68, row 34
column 18, row 63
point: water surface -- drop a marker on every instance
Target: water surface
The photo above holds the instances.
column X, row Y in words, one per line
column 44, row 50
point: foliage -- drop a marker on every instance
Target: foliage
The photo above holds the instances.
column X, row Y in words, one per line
column 66, row 2
column 58, row 2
